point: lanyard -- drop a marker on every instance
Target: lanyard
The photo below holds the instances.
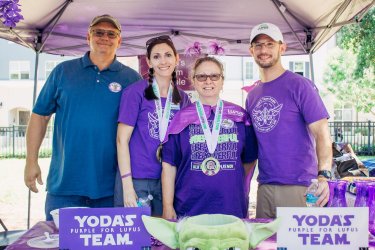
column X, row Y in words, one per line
column 211, row 137
column 163, row 117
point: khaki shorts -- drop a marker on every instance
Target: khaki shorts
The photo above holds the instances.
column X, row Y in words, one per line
column 271, row 196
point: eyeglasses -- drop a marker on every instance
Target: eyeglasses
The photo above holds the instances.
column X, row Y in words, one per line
column 161, row 38
column 203, row 77
column 100, row 33
column 268, row 45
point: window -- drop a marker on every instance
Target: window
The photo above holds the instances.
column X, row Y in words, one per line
column 343, row 113
column 300, row 67
column 50, row 65
column 249, row 70
column 19, row 70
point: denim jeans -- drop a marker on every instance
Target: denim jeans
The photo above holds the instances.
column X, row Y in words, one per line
column 142, row 187
column 60, row 201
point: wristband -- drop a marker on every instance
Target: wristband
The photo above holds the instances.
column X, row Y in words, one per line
column 126, row 175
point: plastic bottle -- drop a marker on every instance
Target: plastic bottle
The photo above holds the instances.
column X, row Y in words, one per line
column 145, row 201
column 310, row 194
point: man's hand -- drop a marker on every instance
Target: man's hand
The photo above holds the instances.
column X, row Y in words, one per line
column 322, row 192
column 32, row 173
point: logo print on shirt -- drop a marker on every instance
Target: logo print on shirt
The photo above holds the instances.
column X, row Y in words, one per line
column 266, row 114
column 227, row 124
column 115, row 87
column 153, row 124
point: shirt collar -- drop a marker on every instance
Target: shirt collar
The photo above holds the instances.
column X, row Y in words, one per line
column 114, row 66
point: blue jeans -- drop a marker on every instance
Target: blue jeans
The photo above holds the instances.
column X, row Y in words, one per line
column 142, row 187
column 60, row 201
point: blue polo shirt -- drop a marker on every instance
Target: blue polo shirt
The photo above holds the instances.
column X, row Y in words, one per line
column 85, row 101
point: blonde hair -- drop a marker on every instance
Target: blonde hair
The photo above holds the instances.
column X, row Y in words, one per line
column 201, row 60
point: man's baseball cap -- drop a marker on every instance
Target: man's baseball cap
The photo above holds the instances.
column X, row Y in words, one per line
column 106, row 18
column 268, row 29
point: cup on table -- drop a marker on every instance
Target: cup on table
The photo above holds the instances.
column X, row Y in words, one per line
column 55, row 215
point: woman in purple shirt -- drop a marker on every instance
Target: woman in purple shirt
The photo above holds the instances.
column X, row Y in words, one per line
column 145, row 111
column 209, row 149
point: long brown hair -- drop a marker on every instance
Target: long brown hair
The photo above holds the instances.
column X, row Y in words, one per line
column 149, row 92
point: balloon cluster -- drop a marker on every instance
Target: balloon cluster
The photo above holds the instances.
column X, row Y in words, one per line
column 213, row 48
column 10, row 12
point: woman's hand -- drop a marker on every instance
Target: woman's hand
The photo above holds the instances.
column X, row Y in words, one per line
column 169, row 213
column 130, row 198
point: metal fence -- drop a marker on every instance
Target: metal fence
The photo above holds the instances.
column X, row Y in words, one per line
column 359, row 134
column 13, row 142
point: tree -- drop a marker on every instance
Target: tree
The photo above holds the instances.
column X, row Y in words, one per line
column 340, row 79
column 351, row 69
column 359, row 38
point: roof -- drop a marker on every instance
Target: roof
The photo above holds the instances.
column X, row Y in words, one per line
column 60, row 26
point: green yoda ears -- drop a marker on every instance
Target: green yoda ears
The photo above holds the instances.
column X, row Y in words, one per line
column 210, row 231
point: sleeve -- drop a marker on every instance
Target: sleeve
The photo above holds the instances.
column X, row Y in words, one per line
column 46, row 103
column 172, row 150
column 309, row 102
column 130, row 105
column 250, row 152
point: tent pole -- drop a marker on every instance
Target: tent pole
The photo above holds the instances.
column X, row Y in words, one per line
column 337, row 15
column 311, row 67
column 275, row 2
column 34, row 98
column 55, row 19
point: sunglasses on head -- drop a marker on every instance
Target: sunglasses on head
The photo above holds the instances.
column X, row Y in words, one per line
column 100, row 33
column 158, row 38
column 203, row 77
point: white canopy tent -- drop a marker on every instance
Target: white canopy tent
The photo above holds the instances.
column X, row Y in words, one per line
column 60, row 26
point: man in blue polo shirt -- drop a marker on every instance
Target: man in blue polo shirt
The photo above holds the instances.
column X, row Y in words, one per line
column 84, row 94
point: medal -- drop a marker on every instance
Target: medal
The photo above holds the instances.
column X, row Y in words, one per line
column 210, row 166
column 159, row 152
column 163, row 117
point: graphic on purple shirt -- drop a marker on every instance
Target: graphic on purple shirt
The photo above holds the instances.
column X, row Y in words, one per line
column 140, row 113
column 199, row 191
column 280, row 112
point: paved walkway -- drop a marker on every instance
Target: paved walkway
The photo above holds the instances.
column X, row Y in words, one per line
column 14, row 194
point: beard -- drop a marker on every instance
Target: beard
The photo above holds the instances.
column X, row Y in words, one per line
column 267, row 64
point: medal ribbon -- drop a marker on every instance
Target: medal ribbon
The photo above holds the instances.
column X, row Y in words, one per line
column 211, row 137
column 163, row 117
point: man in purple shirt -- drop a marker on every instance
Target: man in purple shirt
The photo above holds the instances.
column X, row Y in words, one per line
column 291, row 126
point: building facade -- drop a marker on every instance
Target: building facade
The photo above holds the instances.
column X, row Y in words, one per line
column 17, row 70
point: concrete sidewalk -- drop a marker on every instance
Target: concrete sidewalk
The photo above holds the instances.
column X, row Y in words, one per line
column 14, row 194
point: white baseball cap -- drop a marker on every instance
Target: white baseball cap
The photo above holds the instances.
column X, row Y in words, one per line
column 268, row 29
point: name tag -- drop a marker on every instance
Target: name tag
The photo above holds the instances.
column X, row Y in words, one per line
column 314, row 228
column 104, row 228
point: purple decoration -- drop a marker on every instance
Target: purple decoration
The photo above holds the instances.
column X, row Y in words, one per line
column 214, row 48
column 10, row 12
column 337, row 189
column 371, row 208
column 194, row 50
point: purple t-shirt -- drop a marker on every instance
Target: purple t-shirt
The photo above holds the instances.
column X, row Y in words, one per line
column 140, row 113
column 280, row 112
column 200, row 191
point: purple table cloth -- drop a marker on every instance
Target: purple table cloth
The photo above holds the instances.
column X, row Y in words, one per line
column 48, row 226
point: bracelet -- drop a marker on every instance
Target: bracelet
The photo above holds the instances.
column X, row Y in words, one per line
column 126, row 175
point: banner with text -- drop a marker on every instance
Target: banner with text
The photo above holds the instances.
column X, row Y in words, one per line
column 344, row 228
column 104, row 228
